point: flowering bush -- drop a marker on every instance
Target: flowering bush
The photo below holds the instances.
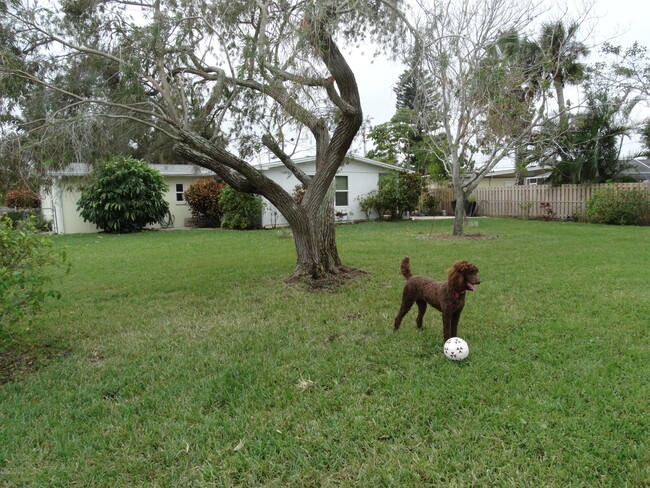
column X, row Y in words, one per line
column 203, row 199
column 22, row 198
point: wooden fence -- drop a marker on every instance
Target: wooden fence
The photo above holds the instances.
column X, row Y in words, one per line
column 566, row 201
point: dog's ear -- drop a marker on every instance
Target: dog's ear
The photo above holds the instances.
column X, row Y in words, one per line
column 458, row 273
column 465, row 267
column 456, row 278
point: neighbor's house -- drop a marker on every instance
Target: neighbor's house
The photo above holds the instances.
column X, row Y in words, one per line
column 357, row 177
column 535, row 175
column 639, row 169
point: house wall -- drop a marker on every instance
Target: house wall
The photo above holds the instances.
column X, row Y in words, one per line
column 60, row 204
column 60, row 201
column 362, row 179
column 490, row 181
column 179, row 209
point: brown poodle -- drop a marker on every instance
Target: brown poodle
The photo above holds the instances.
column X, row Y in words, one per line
column 446, row 296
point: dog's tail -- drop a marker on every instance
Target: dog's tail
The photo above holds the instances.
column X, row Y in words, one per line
column 405, row 268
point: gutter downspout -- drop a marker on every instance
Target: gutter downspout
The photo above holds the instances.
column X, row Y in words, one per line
column 58, row 205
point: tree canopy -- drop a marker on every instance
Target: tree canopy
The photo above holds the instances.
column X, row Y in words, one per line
column 219, row 81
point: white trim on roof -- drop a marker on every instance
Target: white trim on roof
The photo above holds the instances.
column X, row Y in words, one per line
column 298, row 161
column 82, row 169
column 511, row 171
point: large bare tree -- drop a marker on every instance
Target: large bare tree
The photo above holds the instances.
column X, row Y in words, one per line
column 489, row 97
column 222, row 80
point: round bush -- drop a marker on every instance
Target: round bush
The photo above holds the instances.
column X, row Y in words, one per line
column 398, row 193
column 612, row 205
column 124, row 195
column 241, row 210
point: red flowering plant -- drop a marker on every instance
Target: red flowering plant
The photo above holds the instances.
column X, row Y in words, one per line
column 203, row 199
column 22, row 198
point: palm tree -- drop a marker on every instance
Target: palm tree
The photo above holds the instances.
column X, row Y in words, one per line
column 561, row 60
column 594, row 149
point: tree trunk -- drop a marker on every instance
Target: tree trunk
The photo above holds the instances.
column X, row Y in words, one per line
column 459, row 192
column 311, row 221
column 520, row 166
column 558, row 84
column 459, row 213
column 315, row 239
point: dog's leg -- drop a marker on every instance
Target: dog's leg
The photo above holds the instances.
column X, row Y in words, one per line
column 407, row 303
column 446, row 324
column 455, row 317
column 422, row 308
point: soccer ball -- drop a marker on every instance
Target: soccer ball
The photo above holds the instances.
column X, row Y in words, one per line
column 456, row 349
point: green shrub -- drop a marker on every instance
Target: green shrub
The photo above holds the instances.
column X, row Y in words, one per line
column 368, row 203
column 613, row 205
column 28, row 262
column 398, row 193
column 203, row 199
column 35, row 216
column 22, row 198
column 430, row 204
column 241, row 210
column 125, row 195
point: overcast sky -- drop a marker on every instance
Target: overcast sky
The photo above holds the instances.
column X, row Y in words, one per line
column 621, row 22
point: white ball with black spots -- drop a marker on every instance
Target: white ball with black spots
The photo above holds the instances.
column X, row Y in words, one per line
column 456, row 349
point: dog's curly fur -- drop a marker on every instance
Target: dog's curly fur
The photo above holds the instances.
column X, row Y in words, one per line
column 446, row 296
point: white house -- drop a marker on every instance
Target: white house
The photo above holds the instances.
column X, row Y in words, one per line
column 356, row 177
column 59, row 202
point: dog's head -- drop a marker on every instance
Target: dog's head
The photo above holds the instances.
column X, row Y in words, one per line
column 462, row 276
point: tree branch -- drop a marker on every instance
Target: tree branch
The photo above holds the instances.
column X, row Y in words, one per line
column 273, row 146
column 91, row 101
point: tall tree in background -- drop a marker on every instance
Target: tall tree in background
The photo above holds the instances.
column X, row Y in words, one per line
column 562, row 53
column 402, row 140
column 644, row 131
column 511, row 48
column 42, row 129
column 219, row 80
column 480, row 105
column 625, row 73
column 406, row 90
column 14, row 170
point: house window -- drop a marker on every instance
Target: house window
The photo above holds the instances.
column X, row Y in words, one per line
column 533, row 181
column 179, row 193
column 341, row 191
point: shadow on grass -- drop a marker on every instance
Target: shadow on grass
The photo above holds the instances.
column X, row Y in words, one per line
column 19, row 356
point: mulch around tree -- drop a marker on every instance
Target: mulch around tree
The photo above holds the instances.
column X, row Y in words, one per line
column 464, row 237
column 328, row 282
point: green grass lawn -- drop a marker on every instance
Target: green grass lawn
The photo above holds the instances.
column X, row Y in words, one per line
column 184, row 360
